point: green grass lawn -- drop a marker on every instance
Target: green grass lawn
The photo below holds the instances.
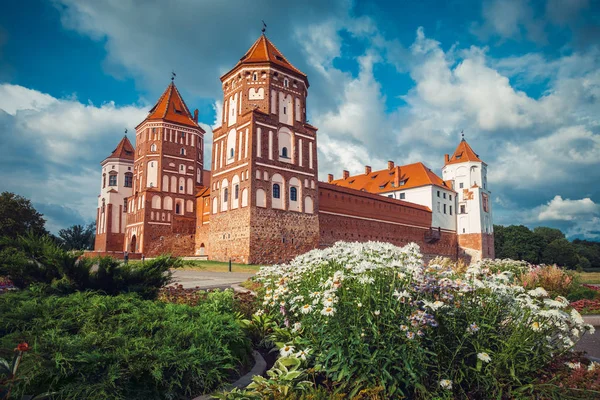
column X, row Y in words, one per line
column 589, row 277
column 216, row 266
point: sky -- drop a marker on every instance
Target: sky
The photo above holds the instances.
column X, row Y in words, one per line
column 389, row 80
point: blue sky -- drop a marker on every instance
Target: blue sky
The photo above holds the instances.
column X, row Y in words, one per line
column 393, row 80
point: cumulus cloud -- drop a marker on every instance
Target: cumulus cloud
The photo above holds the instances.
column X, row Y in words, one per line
column 559, row 209
column 50, row 150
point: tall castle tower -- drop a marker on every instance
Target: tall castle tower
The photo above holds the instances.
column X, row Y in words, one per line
column 167, row 168
column 263, row 189
column 475, row 230
column 117, row 182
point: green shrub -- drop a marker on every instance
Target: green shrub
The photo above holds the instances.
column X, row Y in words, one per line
column 582, row 293
column 30, row 260
column 88, row 346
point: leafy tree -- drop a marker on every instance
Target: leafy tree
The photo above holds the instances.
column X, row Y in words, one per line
column 589, row 250
column 561, row 252
column 547, row 234
column 78, row 237
column 519, row 243
column 17, row 216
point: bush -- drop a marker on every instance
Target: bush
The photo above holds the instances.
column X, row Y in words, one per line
column 38, row 260
column 88, row 346
column 557, row 281
column 581, row 293
column 370, row 315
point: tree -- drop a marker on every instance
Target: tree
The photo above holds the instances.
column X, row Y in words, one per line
column 18, row 216
column 561, row 252
column 548, row 235
column 519, row 243
column 78, row 237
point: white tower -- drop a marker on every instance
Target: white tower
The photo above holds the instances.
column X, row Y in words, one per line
column 116, row 187
column 474, row 225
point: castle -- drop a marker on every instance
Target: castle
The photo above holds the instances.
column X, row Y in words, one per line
column 261, row 201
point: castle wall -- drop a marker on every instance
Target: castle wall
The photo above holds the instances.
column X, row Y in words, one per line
column 476, row 246
column 278, row 236
column 354, row 216
column 229, row 236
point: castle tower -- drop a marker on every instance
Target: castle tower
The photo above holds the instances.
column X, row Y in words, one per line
column 263, row 189
column 475, row 229
column 167, row 169
column 116, row 187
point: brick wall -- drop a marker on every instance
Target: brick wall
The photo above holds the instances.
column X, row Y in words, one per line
column 476, row 246
column 351, row 215
column 229, row 236
column 278, row 236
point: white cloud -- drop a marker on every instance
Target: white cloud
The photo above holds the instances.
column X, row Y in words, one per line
column 559, row 209
column 50, row 149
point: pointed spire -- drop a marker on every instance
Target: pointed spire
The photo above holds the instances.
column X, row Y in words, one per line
column 124, row 149
column 463, row 153
column 264, row 51
column 171, row 107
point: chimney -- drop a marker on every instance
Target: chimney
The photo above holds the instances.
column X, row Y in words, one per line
column 329, row 177
column 397, row 177
column 346, row 174
column 367, row 169
column 196, row 115
column 390, row 164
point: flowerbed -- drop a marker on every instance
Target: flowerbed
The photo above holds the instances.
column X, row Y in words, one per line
column 370, row 317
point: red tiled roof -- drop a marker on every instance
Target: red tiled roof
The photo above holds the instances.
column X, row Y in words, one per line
column 390, row 180
column 171, row 107
column 463, row 153
column 124, row 150
column 263, row 51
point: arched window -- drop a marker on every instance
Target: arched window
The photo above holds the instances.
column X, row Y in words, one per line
column 293, row 194
column 182, row 151
column 225, row 195
column 276, row 191
column 284, row 152
column 177, row 208
column 153, row 147
column 286, row 82
column 236, row 192
column 103, row 181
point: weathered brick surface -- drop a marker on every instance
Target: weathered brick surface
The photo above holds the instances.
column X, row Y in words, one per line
column 476, row 246
column 114, row 254
column 355, row 216
column 109, row 241
column 278, row 236
column 229, row 236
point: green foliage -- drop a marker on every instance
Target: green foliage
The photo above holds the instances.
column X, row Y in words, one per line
column 78, row 237
column 582, row 293
column 88, row 346
column 18, row 216
column 30, row 259
column 544, row 245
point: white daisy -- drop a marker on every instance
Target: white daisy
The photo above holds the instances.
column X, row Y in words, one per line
column 485, row 357
column 446, row 384
column 286, row 351
column 328, row 311
column 306, row 309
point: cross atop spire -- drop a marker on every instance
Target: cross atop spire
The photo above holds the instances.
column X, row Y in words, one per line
column 125, row 132
column 264, row 28
column 462, row 134
column 173, row 75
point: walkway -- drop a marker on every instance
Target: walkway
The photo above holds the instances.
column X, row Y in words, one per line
column 208, row 280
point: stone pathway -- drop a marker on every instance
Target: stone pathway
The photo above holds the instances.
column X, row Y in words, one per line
column 208, row 280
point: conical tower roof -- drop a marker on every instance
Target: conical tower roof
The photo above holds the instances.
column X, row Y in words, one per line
column 463, row 153
column 171, row 107
column 124, row 150
column 264, row 51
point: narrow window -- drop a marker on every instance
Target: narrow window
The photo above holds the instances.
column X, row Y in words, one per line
column 103, row 181
column 444, row 209
column 231, row 153
column 177, row 208
column 284, row 109
column 128, row 179
column 462, row 209
column 444, row 195
column 112, row 180
column 182, row 151
column 183, row 135
column 461, row 185
column 293, row 194
column 255, row 76
column 438, row 193
column 450, row 196
column 124, row 205
column 225, row 195
column 450, row 210
column 284, row 152
column 276, row 189
column 236, row 192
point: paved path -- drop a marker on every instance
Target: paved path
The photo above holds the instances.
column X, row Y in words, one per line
column 208, row 280
column 590, row 344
